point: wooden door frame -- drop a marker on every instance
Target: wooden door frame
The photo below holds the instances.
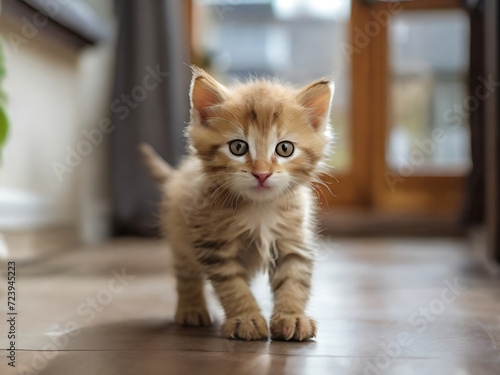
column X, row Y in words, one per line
column 395, row 193
column 352, row 188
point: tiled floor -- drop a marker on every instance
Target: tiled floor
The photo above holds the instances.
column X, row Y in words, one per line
column 384, row 306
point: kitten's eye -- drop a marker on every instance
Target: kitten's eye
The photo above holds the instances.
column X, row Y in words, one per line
column 238, row 147
column 285, row 149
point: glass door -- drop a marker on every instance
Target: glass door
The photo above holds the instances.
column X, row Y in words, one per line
column 419, row 112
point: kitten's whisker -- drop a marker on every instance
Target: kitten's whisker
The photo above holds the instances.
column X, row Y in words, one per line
column 226, row 197
column 222, row 193
column 234, row 200
column 315, row 187
column 325, row 185
column 330, row 175
column 326, row 199
column 220, row 189
column 228, row 189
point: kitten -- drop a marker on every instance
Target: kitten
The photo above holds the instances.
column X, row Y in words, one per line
column 242, row 201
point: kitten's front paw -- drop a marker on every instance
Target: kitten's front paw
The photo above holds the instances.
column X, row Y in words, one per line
column 193, row 316
column 248, row 326
column 286, row 326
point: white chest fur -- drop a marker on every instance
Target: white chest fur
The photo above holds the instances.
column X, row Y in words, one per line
column 262, row 222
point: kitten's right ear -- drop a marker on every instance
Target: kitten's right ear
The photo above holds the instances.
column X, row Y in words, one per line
column 205, row 92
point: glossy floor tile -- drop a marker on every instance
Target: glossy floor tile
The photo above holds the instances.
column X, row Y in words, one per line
column 384, row 306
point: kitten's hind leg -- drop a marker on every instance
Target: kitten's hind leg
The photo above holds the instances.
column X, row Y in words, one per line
column 191, row 305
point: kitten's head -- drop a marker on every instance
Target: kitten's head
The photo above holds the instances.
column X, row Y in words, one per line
column 259, row 139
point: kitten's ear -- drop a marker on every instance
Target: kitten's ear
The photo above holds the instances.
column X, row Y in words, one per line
column 317, row 98
column 205, row 92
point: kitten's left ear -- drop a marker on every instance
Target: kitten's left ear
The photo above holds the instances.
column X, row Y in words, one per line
column 317, row 98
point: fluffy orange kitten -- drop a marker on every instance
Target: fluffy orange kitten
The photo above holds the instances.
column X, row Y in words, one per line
column 242, row 202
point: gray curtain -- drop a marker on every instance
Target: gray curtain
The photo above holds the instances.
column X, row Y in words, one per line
column 150, row 104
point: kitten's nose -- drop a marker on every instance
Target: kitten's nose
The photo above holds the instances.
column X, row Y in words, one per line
column 261, row 177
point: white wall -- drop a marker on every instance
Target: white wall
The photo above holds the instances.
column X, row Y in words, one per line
column 54, row 93
column 96, row 73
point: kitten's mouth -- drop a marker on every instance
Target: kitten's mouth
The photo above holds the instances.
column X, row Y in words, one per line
column 262, row 192
column 260, row 187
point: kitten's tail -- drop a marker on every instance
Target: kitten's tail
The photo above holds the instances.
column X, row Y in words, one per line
column 158, row 167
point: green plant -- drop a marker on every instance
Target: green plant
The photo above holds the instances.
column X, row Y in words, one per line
column 4, row 124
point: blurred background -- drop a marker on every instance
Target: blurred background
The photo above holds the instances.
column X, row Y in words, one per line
column 415, row 109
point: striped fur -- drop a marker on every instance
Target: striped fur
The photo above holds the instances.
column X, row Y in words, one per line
column 222, row 227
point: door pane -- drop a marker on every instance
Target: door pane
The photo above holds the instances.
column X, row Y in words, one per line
column 298, row 41
column 429, row 54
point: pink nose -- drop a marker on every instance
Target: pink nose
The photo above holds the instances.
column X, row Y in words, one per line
column 261, row 177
